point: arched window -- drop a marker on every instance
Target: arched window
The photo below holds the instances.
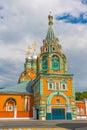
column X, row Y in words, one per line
column 44, row 63
column 10, row 104
column 55, row 62
column 54, row 49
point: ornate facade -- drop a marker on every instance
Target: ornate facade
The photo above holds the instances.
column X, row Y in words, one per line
column 45, row 89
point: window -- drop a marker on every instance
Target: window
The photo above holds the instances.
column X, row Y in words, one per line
column 55, row 62
column 63, row 85
column 58, row 101
column 53, row 49
column 10, row 108
column 44, row 63
column 46, row 49
column 10, row 104
column 50, row 86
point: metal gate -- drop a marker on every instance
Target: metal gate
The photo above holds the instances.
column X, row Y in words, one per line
column 58, row 114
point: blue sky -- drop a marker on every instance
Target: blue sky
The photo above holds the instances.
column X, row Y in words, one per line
column 24, row 21
column 68, row 18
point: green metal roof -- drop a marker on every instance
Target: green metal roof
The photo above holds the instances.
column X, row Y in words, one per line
column 50, row 33
column 22, row 88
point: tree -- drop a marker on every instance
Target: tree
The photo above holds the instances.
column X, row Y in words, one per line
column 81, row 95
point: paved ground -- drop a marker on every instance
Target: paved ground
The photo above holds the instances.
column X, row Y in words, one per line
column 35, row 129
column 42, row 125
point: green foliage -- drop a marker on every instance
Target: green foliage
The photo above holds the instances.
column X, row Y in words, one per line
column 81, row 95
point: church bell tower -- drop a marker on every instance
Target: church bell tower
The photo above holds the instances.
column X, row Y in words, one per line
column 54, row 95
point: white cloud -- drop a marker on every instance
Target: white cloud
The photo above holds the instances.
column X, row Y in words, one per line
column 25, row 21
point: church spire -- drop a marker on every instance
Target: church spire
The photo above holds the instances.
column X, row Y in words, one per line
column 50, row 32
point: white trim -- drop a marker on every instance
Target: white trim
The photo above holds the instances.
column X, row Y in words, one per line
column 16, row 118
column 51, row 86
column 81, row 117
column 28, row 103
column 58, row 104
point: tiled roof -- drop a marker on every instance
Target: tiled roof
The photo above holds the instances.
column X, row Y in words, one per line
column 19, row 88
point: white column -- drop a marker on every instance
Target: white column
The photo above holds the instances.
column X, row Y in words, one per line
column 15, row 111
column 86, row 106
column 28, row 100
column 25, row 103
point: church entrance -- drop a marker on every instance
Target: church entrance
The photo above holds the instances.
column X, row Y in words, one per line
column 37, row 114
column 58, row 114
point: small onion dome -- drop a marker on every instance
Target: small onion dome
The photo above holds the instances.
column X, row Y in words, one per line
column 35, row 57
column 29, row 57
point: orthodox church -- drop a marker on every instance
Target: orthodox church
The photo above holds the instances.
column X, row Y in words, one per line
column 45, row 89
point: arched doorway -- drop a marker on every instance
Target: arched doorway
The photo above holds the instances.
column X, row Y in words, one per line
column 58, row 107
column 57, row 104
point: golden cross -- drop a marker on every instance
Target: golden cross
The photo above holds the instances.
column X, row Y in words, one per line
column 34, row 45
column 29, row 48
column 27, row 53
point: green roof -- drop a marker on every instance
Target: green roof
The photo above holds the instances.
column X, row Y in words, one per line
column 22, row 88
column 50, row 33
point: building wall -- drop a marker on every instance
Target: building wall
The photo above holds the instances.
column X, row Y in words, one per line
column 81, row 109
column 22, row 108
column 45, row 100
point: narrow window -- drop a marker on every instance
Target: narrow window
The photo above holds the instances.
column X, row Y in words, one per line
column 55, row 62
column 64, row 87
column 58, row 101
column 50, row 86
column 44, row 63
column 53, row 49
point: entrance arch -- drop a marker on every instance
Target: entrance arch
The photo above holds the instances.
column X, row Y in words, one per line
column 57, row 110
column 57, row 93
